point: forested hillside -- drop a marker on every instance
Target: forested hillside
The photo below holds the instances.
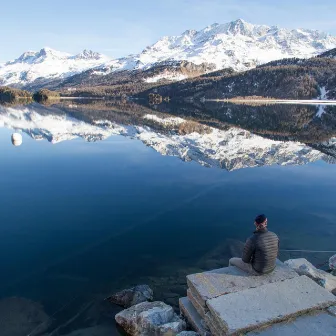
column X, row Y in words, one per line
column 287, row 79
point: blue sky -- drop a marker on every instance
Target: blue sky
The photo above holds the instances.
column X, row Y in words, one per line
column 118, row 28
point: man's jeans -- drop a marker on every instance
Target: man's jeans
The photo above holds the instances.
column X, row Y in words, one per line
column 238, row 262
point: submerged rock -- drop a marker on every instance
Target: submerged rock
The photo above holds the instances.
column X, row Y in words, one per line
column 22, row 317
column 236, row 248
column 303, row 267
column 132, row 296
column 188, row 333
column 332, row 264
column 150, row 318
column 100, row 330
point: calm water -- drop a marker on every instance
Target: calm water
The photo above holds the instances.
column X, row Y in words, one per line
column 89, row 204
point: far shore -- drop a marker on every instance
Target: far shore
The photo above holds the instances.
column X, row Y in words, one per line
column 71, row 98
column 277, row 101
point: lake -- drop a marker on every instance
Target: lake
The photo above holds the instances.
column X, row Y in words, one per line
column 101, row 196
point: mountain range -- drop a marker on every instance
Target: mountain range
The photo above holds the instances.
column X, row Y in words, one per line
column 237, row 45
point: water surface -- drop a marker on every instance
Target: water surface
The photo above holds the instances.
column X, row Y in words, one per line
column 101, row 197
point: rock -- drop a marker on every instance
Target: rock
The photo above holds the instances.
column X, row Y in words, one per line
column 188, row 333
column 16, row 139
column 20, row 316
column 332, row 310
column 193, row 318
column 208, row 285
column 332, row 263
column 304, row 267
column 253, row 308
column 150, row 318
column 319, row 323
column 132, row 296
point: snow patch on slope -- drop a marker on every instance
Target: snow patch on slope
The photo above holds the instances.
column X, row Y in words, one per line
column 167, row 76
column 323, row 93
column 323, row 96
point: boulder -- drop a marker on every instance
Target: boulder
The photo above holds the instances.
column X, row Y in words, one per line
column 132, row 296
column 150, row 318
column 304, row 267
column 332, row 264
column 188, row 333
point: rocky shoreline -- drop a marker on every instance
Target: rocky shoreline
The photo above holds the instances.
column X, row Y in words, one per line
column 158, row 318
column 150, row 309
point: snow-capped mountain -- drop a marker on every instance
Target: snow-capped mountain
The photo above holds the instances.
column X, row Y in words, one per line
column 227, row 149
column 238, row 45
column 47, row 64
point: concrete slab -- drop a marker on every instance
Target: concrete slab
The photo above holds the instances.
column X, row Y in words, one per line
column 214, row 327
column 200, row 309
column 209, row 285
column 192, row 316
column 321, row 324
column 253, row 308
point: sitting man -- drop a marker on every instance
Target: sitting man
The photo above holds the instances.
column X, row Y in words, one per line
column 260, row 250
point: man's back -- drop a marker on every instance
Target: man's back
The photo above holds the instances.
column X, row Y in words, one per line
column 261, row 250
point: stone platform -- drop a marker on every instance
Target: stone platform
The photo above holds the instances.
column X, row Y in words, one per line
column 228, row 301
column 320, row 323
column 209, row 285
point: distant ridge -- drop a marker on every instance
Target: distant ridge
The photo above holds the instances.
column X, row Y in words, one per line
column 329, row 54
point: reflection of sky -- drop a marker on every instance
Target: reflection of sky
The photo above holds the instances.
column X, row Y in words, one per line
column 82, row 206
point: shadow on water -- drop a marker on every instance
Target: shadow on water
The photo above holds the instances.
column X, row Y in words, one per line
column 198, row 226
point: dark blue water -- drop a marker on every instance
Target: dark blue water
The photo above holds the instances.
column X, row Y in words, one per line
column 81, row 219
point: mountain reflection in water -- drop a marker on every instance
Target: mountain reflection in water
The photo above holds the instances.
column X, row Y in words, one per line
column 227, row 136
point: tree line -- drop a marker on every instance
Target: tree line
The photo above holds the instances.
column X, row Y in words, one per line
column 11, row 95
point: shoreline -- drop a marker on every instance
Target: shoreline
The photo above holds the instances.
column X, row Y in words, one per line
column 277, row 101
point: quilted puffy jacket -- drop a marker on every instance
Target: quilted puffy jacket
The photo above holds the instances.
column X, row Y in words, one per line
column 261, row 251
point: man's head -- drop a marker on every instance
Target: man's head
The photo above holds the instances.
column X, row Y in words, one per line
column 260, row 222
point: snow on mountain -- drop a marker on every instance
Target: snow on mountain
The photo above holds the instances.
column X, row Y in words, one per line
column 167, row 76
column 47, row 64
column 238, row 44
column 230, row 149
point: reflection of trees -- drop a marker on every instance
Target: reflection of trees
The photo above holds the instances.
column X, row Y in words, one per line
column 279, row 122
column 276, row 122
column 13, row 96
